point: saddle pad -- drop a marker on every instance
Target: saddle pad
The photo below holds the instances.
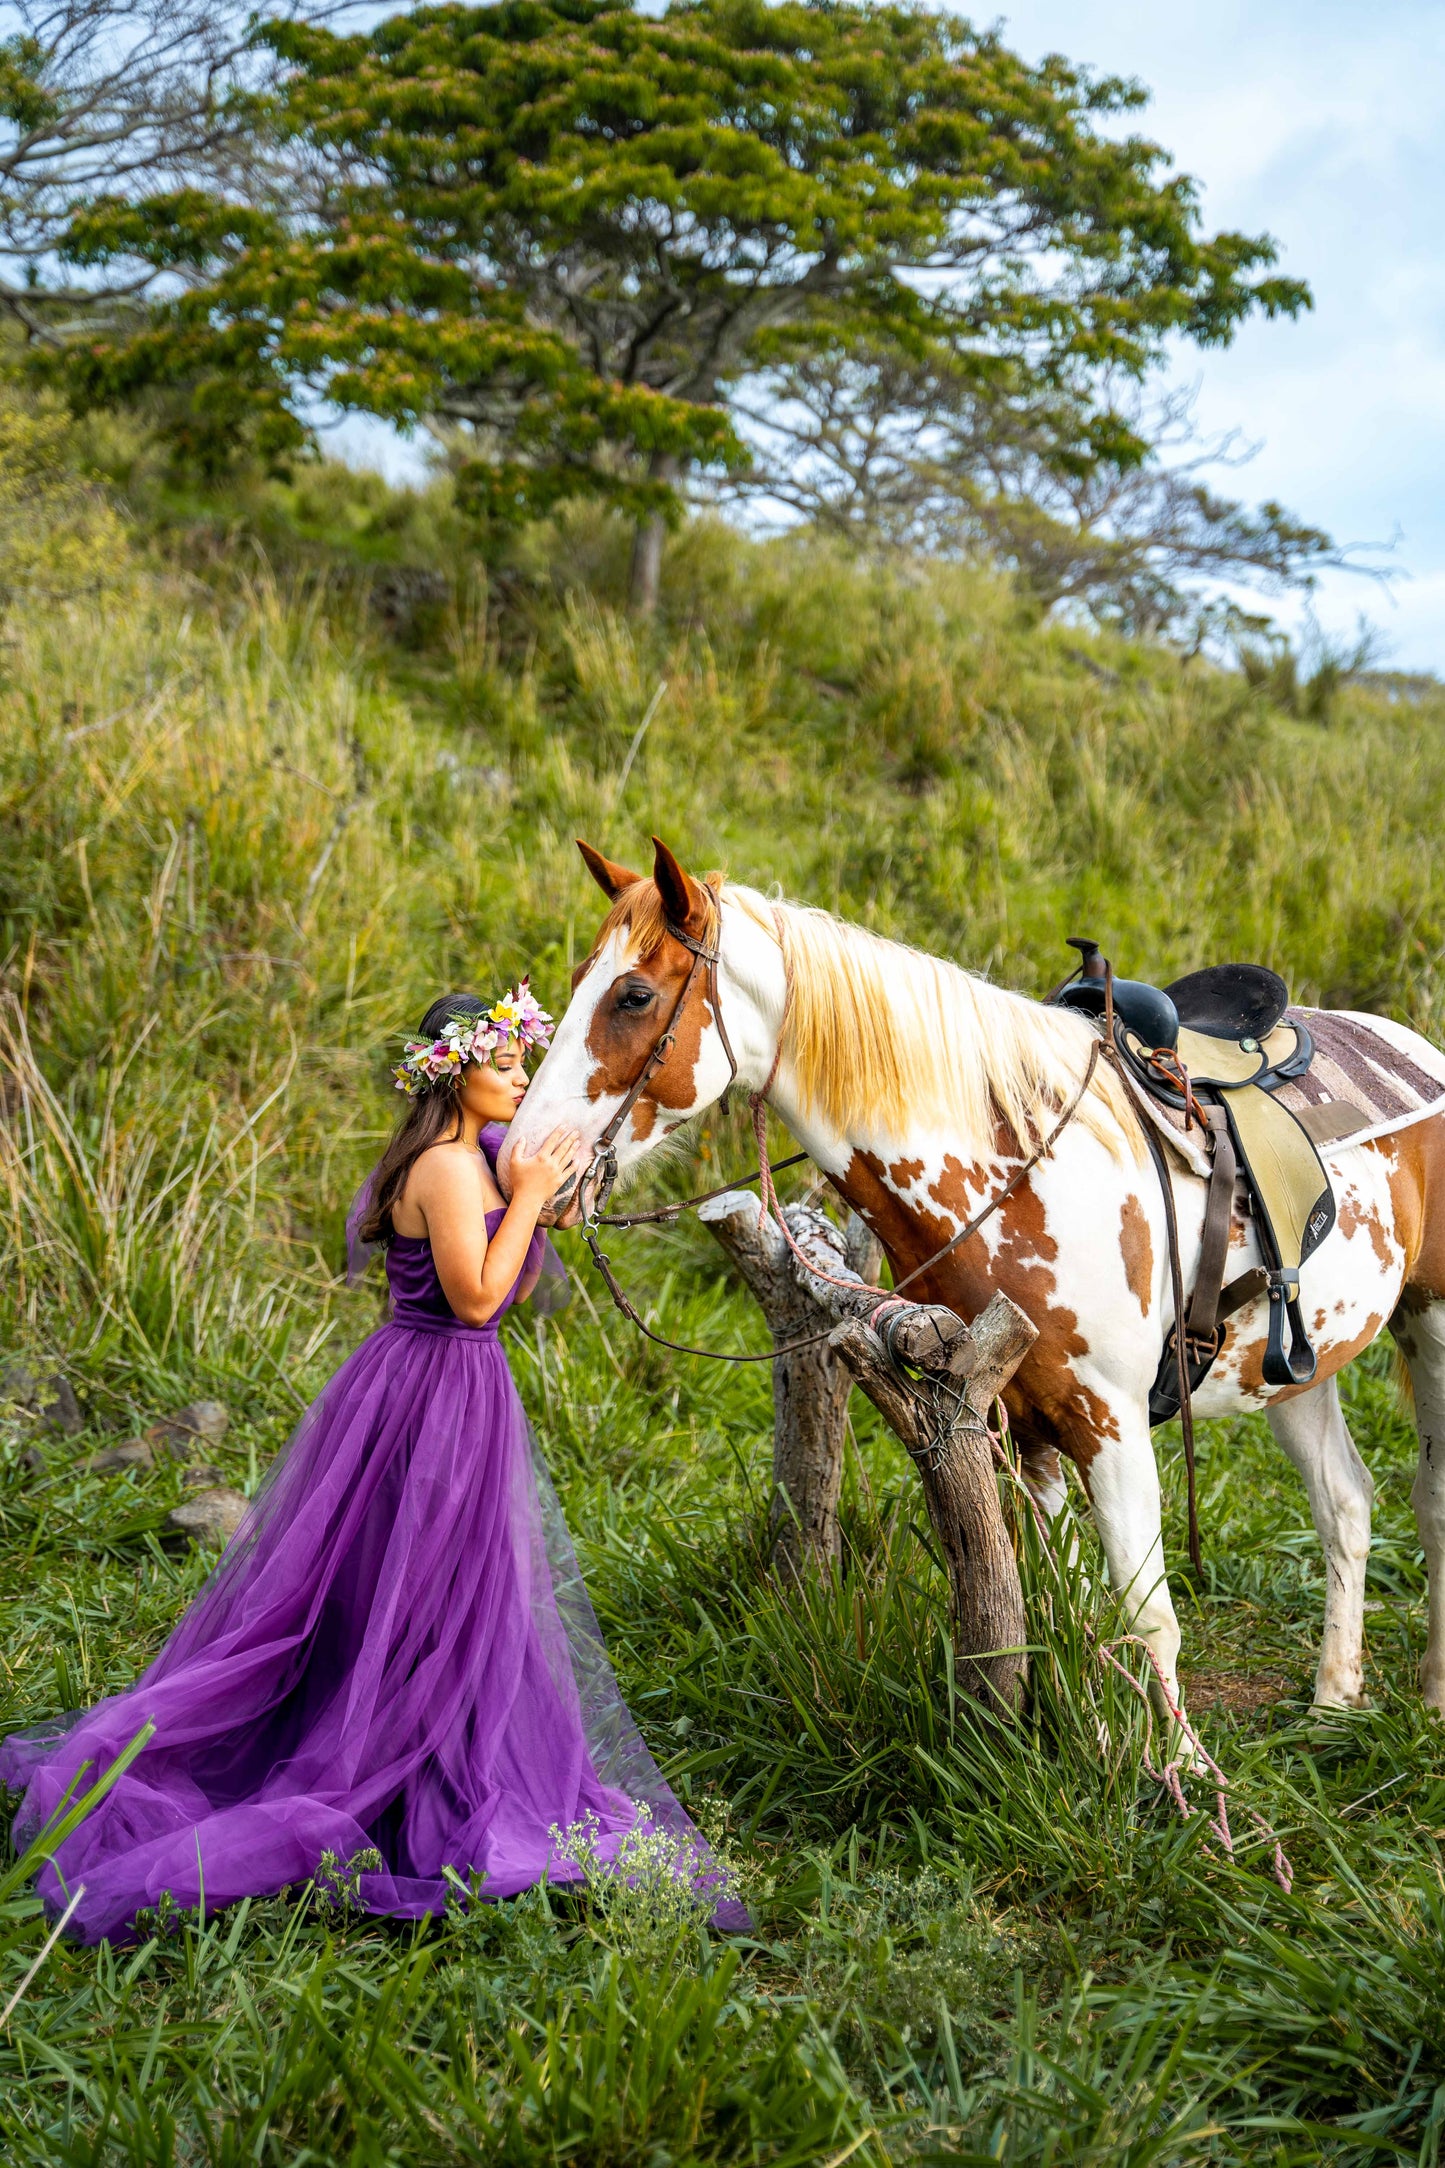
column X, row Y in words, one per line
column 1360, row 1085
column 1358, row 1065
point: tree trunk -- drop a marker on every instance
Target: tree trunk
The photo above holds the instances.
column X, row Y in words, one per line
column 647, row 541
column 810, row 1388
column 810, row 1395
column 961, row 1492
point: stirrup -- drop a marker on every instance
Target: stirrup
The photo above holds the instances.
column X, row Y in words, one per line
column 1299, row 1365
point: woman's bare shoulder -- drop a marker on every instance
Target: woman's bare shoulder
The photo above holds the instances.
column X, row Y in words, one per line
column 445, row 1175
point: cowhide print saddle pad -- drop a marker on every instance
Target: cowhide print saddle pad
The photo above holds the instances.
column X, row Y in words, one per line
column 1362, row 1083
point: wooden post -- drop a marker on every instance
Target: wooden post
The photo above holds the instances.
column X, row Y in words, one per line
column 810, row 1388
column 957, row 1473
column 961, row 1492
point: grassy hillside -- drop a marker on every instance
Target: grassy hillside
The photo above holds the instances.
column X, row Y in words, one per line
column 246, row 832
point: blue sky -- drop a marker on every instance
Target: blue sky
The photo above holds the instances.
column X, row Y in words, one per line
column 1323, row 124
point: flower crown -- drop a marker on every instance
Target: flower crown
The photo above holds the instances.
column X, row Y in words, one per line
column 428, row 1062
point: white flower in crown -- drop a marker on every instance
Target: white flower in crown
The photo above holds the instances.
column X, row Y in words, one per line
column 472, row 1038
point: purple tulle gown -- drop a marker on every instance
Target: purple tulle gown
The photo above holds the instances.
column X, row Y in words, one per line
column 396, row 1653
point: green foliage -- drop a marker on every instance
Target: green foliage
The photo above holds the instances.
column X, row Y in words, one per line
column 58, row 535
column 243, row 840
column 24, row 97
column 569, row 229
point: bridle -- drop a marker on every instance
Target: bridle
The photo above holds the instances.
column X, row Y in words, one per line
column 601, row 1173
column 596, row 1184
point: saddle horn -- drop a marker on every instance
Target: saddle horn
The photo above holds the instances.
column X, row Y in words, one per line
column 1148, row 1012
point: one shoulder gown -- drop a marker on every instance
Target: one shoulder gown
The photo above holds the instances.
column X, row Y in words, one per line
column 395, row 1655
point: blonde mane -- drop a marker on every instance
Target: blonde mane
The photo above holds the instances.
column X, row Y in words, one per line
column 882, row 1037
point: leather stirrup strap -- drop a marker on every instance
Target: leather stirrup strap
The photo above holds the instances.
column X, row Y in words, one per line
column 1202, row 1322
column 1176, row 1278
column 1298, row 1365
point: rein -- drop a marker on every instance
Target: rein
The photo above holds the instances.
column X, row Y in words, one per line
column 601, row 1173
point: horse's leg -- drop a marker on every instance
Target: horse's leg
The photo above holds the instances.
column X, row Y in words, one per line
column 1043, row 1472
column 1123, row 1484
column 1420, row 1335
column 1042, row 1469
column 1312, row 1430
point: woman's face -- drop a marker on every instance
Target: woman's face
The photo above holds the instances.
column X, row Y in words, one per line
column 492, row 1091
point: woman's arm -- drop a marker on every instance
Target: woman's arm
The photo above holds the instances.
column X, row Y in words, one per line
column 476, row 1274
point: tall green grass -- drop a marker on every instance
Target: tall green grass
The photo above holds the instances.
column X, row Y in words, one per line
column 244, row 838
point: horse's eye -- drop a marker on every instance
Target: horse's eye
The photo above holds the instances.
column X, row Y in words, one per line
column 635, row 997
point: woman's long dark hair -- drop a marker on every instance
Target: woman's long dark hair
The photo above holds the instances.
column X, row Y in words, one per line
column 433, row 1117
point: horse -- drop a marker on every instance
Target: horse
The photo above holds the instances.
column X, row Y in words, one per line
column 919, row 1089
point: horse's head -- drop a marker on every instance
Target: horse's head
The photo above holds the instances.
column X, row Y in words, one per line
column 669, row 955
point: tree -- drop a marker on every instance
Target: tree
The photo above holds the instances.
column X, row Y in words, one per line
column 1090, row 492
column 570, row 230
column 120, row 97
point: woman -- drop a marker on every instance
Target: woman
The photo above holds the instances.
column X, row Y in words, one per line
column 395, row 1663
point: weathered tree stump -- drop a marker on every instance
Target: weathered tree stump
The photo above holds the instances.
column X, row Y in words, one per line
column 956, row 1467
column 961, row 1492
column 811, row 1387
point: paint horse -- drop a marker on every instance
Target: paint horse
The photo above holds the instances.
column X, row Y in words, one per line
column 918, row 1088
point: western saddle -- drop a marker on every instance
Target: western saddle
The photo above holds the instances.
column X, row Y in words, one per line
column 1213, row 1049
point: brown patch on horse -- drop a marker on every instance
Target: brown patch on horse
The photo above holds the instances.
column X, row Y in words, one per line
column 1352, row 1219
column 1136, row 1245
column 1048, row 1406
column 971, row 1184
column 1329, row 1358
column 621, row 1039
column 905, row 1172
column 1416, row 1159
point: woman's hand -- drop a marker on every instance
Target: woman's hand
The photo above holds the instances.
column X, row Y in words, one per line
column 541, row 1174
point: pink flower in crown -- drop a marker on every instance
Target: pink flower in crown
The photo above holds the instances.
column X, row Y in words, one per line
column 516, row 1016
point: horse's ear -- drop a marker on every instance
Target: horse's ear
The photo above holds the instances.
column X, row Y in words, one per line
column 683, row 899
column 610, row 878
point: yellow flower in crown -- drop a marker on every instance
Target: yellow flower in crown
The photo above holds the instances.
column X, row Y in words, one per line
column 516, row 1016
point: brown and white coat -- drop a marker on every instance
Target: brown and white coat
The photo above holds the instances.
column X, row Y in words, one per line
column 911, row 1084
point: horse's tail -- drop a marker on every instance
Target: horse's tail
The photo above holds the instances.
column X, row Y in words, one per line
column 1403, row 1382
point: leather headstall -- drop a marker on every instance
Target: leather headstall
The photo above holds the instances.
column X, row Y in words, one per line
column 601, row 1172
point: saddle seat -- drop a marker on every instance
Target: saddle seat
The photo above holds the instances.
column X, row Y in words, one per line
column 1216, row 1045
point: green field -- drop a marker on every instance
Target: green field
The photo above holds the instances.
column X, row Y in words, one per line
column 258, row 806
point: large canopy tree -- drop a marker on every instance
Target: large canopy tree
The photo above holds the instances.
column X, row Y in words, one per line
column 570, row 231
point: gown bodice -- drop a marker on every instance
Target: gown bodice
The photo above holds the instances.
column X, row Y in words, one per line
column 417, row 1297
